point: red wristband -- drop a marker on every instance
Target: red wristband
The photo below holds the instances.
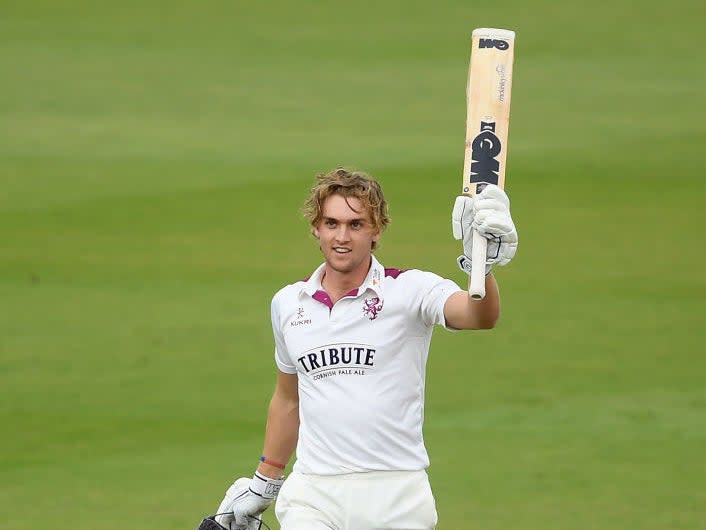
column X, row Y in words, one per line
column 269, row 462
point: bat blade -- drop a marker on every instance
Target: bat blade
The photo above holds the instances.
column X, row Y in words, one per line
column 487, row 121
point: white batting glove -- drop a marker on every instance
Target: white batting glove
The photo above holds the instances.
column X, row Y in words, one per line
column 489, row 213
column 245, row 501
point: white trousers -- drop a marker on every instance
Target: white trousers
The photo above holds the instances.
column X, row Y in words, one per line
column 377, row 500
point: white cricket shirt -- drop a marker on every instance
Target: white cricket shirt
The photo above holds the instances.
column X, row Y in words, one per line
column 361, row 366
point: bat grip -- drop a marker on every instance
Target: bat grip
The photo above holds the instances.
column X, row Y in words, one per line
column 480, row 247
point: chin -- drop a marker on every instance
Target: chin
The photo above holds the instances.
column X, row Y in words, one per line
column 340, row 265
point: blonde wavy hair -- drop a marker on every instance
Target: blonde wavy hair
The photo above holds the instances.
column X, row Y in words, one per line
column 347, row 183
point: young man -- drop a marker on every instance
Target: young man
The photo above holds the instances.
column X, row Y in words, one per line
column 351, row 345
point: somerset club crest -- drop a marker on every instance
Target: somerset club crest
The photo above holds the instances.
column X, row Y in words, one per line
column 371, row 307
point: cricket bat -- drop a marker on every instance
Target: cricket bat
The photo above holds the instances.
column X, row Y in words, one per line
column 487, row 120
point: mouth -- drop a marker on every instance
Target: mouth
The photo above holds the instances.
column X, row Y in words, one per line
column 341, row 250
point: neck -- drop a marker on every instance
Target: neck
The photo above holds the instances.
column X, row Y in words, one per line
column 337, row 283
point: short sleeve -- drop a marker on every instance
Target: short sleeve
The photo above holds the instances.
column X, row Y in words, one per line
column 434, row 293
column 281, row 354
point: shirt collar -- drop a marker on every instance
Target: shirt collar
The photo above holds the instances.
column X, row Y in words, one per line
column 373, row 281
column 313, row 283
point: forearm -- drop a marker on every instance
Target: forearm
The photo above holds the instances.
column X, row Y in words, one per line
column 281, row 432
column 463, row 312
column 246, row 499
column 484, row 313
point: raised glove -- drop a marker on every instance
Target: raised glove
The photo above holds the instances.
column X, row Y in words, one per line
column 245, row 501
column 489, row 213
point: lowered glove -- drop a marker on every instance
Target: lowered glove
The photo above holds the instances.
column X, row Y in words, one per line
column 245, row 501
column 489, row 213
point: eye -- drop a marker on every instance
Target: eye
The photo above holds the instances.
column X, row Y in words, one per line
column 330, row 223
column 356, row 224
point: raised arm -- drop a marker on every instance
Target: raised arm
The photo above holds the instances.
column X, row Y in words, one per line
column 489, row 214
column 463, row 312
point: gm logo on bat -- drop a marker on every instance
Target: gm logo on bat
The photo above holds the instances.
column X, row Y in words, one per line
column 484, row 150
column 493, row 43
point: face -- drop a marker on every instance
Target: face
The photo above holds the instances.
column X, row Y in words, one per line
column 346, row 234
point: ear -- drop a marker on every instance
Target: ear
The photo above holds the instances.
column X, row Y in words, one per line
column 376, row 236
column 315, row 232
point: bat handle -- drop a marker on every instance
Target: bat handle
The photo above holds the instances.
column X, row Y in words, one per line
column 480, row 247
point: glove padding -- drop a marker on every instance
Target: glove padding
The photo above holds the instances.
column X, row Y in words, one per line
column 489, row 213
column 245, row 501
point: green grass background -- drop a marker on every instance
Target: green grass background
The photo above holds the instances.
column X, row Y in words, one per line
column 153, row 158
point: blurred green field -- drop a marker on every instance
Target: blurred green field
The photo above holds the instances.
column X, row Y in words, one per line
column 153, row 158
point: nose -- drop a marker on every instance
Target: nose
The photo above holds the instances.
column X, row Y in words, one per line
column 342, row 233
